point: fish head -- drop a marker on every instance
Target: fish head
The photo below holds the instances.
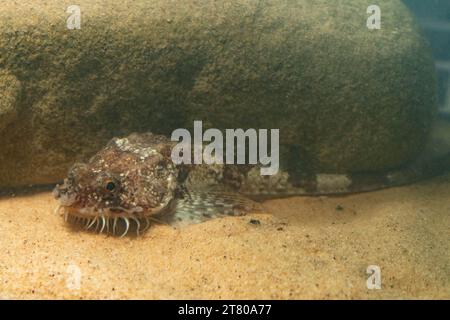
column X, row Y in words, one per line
column 124, row 180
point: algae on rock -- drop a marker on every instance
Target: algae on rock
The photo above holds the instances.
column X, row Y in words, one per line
column 344, row 97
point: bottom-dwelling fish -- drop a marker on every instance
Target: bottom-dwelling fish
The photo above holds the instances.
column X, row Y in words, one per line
column 133, row 182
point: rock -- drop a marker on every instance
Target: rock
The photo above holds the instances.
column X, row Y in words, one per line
column 9, row 88
column 345, row 98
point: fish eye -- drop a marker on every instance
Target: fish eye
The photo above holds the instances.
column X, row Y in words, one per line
column 160, row 167
column 110, row 186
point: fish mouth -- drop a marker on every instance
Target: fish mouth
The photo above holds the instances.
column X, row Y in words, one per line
column 112, row 220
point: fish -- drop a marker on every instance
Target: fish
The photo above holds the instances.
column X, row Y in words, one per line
column 133, row 183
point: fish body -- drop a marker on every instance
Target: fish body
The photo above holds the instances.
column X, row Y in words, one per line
column 133, row 181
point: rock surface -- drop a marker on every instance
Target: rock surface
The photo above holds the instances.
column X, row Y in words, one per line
column 345, row 98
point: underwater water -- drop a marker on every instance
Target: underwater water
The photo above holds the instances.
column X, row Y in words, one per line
column 434, row 17
column 232, row 150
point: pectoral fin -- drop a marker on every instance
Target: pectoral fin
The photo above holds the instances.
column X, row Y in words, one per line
column 201, row 205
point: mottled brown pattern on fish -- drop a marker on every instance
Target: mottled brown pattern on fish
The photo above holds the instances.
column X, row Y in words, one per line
column 133, row 181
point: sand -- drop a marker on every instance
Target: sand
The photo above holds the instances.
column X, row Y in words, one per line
column 313, row 248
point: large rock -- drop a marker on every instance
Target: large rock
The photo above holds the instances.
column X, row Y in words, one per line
column 345, row 98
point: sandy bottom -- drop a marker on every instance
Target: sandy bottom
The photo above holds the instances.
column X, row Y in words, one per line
column 305, row 248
